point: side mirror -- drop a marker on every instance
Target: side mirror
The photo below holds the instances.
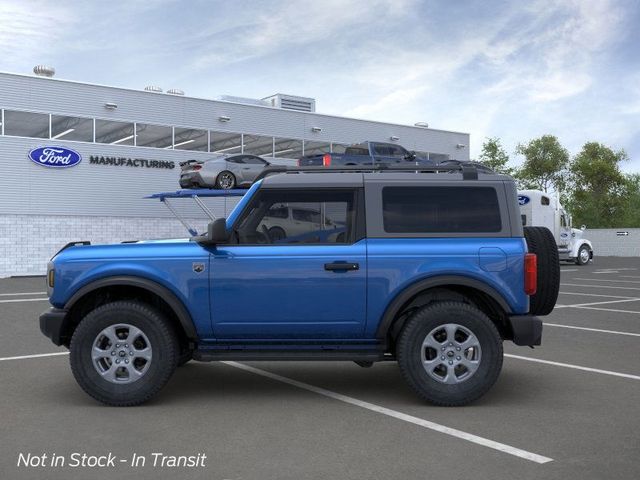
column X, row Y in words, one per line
column 410, row 156
column 217, row 231
column 583, row 227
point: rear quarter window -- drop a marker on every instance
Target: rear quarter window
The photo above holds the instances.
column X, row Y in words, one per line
column 441, row 210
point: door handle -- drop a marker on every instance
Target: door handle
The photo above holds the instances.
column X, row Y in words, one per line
column 341, row 266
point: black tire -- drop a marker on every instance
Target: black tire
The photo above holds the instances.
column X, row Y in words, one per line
column 410, row 350
column 579, row 260
column 220, row 180
column 162, row 339
column 541, row 242
column 276, row 234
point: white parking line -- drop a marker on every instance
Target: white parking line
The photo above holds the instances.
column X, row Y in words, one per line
column 575, row 367
column 609, row 310
column 18, row 300
column 24, row 357
column 597, row 303
column 485, row 442
column 593, row 295
column 569, row 270
column 599, row 286
column 629, row 276
column 603, row 280
column 605, row 270
column 22, row 293
column 598, row 330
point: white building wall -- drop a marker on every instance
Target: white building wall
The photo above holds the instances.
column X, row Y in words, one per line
column 42, row 209
column 27, row 242
column 607, row 242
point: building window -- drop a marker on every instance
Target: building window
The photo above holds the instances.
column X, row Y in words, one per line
column 316, row 148
column 26, row 124
column 287, row 148
column 157, row 136
column 438, row 157
column 258, row 145
column 440, row 210
column 71, row 128
column 190, row 139
column 115, row 133
column 225, row 143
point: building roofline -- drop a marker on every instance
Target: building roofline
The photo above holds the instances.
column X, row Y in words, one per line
column 231, row 103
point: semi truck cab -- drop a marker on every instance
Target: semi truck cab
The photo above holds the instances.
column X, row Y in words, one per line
column 538, row 208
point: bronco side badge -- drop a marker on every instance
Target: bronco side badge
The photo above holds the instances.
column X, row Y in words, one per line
column 198, row 267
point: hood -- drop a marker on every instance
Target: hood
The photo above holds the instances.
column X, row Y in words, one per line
column 127, row 250
column 577, row 233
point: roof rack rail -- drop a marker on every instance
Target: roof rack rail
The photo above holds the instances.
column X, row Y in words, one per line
column 469, row 170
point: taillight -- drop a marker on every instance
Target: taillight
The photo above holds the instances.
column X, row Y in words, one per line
column 197, row 167
column 326, row 160
column 530, row 273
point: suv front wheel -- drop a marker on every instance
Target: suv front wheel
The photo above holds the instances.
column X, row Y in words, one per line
column 450, row 353
column 123, row 353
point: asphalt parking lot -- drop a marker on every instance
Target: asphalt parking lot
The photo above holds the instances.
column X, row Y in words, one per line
column 569, row 409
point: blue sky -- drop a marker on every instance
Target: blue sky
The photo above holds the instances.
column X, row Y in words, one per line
column 515, row 70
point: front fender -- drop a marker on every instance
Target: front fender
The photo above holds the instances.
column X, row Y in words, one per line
column 165, row 292
column 578, row 244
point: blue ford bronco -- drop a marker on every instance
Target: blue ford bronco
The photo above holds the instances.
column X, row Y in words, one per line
column 432, row 269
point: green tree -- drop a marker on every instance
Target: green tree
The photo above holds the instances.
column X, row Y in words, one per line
column 631, row 215
column 599, row 190
column 545, row 164
column 494, row 156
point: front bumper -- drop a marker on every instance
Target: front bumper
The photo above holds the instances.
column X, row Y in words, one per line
column 527, row 330
column 53, row 324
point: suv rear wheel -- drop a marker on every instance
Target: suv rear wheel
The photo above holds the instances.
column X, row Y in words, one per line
column 123, row 353
column 450, row 353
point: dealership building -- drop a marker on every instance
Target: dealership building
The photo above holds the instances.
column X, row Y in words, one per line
column 117, row 145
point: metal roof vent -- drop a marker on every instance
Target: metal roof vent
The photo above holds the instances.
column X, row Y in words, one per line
column 292, row 102
column 175, row 91
column 243, row 100
column 44, row 71
column 153, row 88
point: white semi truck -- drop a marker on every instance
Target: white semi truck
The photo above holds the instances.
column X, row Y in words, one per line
column 540, row 209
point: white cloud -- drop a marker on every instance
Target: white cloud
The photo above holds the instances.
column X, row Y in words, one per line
column 30, row 29
column 292, row 23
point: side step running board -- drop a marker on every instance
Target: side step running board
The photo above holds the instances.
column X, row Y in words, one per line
column 211, row 355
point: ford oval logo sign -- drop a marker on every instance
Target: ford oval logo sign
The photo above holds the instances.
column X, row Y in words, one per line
column 56, row 157
column 523, row 199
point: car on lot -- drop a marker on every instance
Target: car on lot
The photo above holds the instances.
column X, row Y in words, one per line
column 433, row 270
column 224, row 171
column 366, row 153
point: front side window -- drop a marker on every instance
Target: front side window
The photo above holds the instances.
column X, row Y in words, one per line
column 298, row 217
column 251, row 160
column 441, row 210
